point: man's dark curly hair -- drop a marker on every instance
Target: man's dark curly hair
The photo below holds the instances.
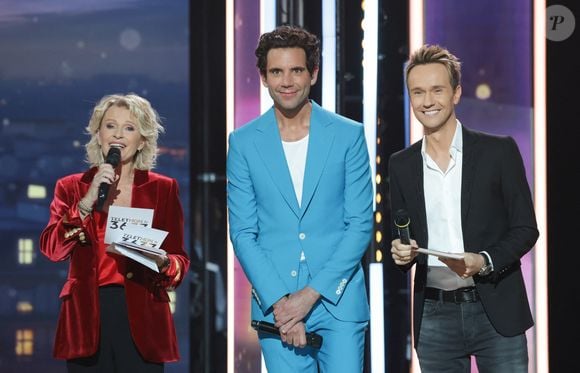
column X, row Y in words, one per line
column 288, row 36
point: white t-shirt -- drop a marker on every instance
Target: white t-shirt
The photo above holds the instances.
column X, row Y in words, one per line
column 295, row 152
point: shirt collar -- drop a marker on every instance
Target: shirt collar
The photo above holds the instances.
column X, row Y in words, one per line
column 456, row 143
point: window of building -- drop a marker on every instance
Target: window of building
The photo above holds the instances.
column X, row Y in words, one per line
column 25, row 251
column 36, row 191
column 24, row 342
column 24, row 307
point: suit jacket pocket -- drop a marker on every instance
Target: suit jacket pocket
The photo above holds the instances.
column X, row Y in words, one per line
column 68, row 288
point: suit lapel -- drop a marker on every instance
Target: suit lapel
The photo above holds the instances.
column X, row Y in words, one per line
column 320, row 141
column 269, row 147
column 145, row 194
column 417, row 169
column 468, row 171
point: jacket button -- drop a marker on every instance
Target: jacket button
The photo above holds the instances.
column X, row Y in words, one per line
column 129, row 275
column 293, row 273
column 302, row 236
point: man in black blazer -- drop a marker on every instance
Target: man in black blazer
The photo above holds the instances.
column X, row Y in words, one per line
column 465, row 192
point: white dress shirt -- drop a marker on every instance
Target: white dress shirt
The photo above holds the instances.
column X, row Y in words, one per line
column 443, row 207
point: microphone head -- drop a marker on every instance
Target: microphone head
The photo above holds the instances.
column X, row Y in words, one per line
column 113, row 156
column 402, row 219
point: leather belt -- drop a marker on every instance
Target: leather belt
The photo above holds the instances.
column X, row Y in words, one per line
column 461, row 295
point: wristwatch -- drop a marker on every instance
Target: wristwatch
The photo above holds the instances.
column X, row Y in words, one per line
column 486, row 269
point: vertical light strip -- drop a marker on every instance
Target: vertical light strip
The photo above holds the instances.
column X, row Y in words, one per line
column 407, row 107
column 540, row 192
column 370, row 25
column 267, row 24
column 377, row 318
column 416, row 39
column 329, row 55
column 229, row 128
column 370, row 55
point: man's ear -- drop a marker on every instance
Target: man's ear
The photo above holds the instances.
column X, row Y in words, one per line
column 457, row 95
column 314, row 76
column 263, row 79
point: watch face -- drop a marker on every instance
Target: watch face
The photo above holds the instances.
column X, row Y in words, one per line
column 485, row 270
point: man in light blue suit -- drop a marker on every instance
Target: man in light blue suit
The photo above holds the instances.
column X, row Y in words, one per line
column 300, row 213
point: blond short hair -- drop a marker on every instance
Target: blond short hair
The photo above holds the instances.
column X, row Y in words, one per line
column 148, row 124
column 437, row 54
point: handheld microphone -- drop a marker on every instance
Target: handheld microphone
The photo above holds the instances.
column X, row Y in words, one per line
column 402, row 222
column 113, row 158
column 312, row 339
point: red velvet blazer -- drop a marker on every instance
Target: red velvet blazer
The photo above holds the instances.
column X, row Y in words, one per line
column 151, row 322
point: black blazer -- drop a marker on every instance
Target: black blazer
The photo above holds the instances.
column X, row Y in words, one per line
column 497, row 215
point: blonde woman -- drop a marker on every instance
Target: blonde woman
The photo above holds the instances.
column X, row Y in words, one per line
column 115, row 312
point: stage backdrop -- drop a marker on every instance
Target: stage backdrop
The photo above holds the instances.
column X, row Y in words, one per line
column 58, row 58
column 246, row 106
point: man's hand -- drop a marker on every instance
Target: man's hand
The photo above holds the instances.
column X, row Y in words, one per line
column 466, row 267
column 403, row 254
column 295, row 336
column 291, row 310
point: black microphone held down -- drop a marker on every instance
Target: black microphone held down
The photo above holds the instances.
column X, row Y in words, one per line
column 113, row 158
column 312, row 339
column 402, row 222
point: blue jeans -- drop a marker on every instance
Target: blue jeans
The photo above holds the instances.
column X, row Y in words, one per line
column 452, row 332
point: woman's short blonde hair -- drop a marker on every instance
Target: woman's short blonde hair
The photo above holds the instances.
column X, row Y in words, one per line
column 148, row 123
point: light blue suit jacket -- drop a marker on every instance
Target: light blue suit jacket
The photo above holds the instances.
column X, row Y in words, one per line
column 332, row 226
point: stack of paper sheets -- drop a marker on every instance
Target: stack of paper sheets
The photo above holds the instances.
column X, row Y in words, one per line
column 130, row 234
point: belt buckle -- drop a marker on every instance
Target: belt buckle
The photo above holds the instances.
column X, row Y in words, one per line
column 463, row 295
column 456, row 296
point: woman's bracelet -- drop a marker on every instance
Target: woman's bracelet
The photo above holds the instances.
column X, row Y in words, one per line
column 84, row 208
column 165, row 264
